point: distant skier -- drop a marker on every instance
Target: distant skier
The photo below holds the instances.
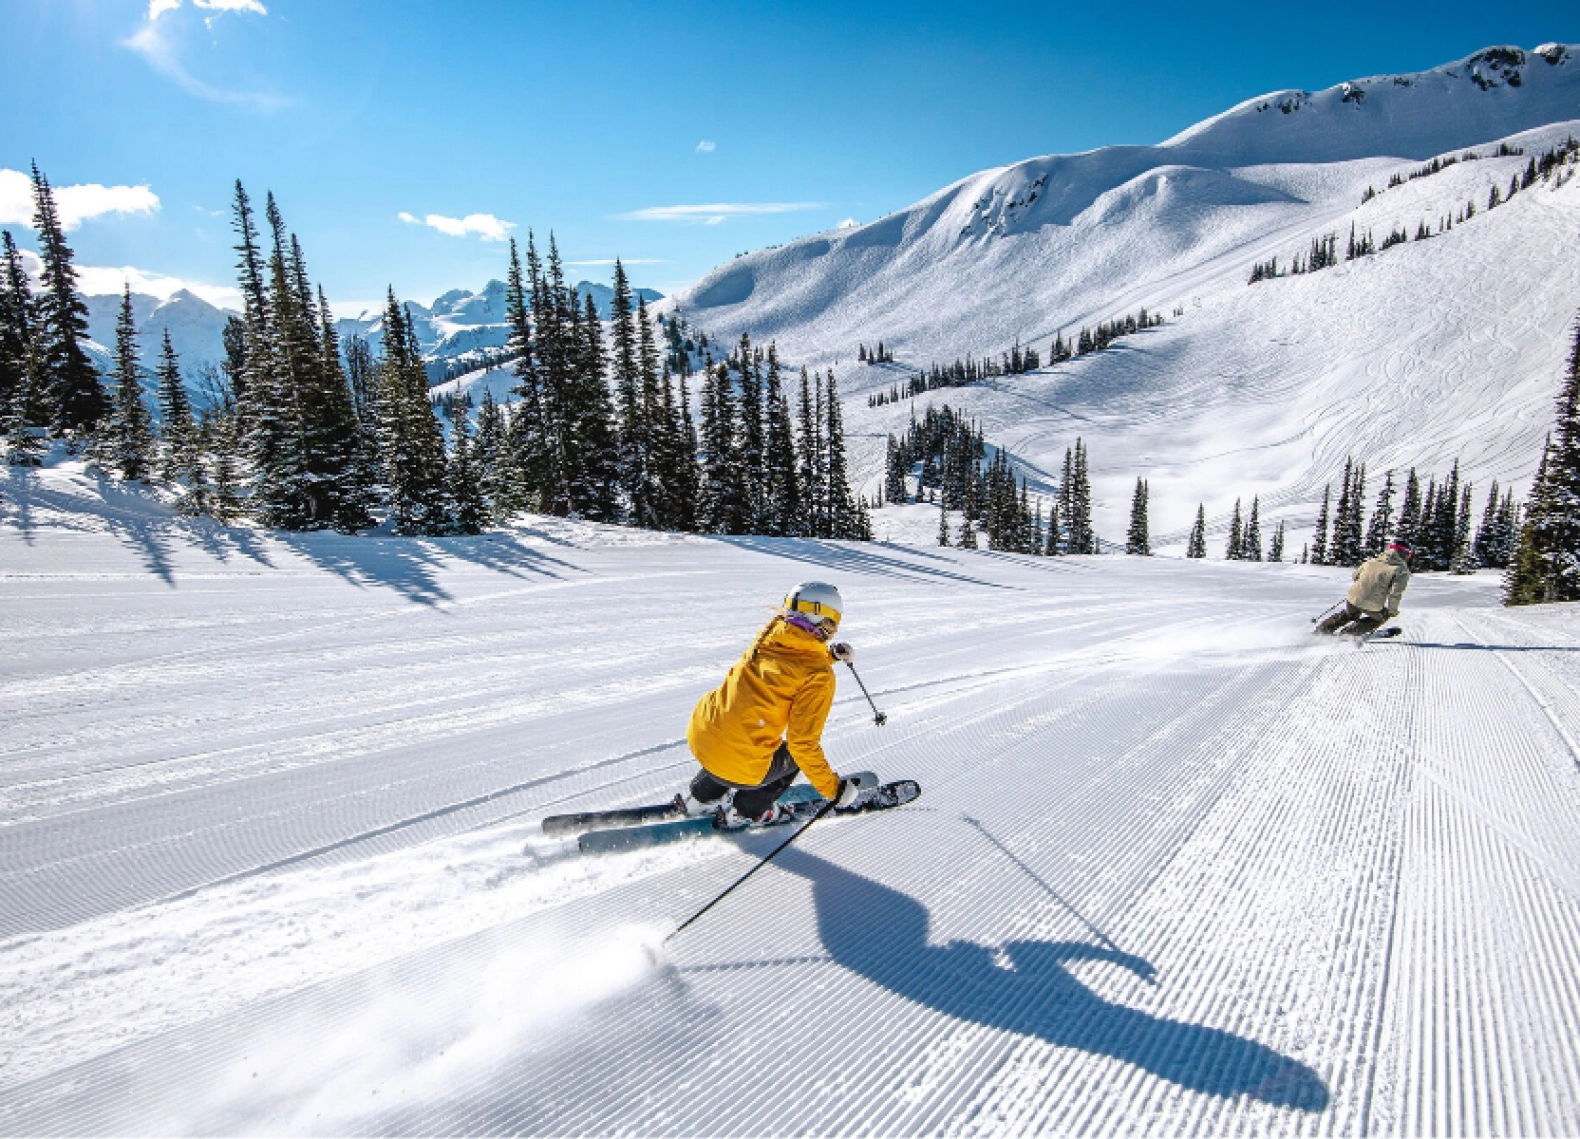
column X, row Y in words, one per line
column 1374, row 598
column 764, row 725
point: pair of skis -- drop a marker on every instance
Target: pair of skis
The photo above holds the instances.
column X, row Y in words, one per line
column 633, row 828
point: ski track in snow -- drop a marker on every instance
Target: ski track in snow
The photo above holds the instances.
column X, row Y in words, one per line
column 269, row 858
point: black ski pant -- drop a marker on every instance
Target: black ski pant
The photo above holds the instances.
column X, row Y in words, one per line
column 1353, row 621
column 750, row 802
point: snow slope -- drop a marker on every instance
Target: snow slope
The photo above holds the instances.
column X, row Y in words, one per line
column 1413, row 357
column 270, row 862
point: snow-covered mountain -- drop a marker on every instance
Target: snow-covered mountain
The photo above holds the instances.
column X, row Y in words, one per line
column 1428, row 351
column 460, row 327
column 196, row 327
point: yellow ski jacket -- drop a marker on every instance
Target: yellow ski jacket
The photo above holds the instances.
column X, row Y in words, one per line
column 781, row 689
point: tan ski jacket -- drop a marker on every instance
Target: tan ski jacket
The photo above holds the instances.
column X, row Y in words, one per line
column 1380, row 583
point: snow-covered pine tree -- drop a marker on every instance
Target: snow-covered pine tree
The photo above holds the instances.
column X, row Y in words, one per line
column 1545, row 565
column 783, row 492
column 16, row 323
column 943, row 524
column 1083, row 539
column 726, row 506
column 1053, row 547
column 1464, row 559
column 466, row 478
column 180, row 459
column 130, row 439
column 1382, row 519
column 1251, row 539
column 627, row 379
column 1426, row 547
column 810, row 455
column 1137, row 539
column 1409, row 528
column 595, row 477
column 1196, row 544
column 687, row 475
column 844, row 518
column 1275, row 550
column 752, row 435
column 1319, row 540
column 1232, row 551
column 1340, row 552
column 967, row 538
column 26, row 404
column 410, row 437
column 75, row 393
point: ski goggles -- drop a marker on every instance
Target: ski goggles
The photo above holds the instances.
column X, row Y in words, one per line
column 822, row 629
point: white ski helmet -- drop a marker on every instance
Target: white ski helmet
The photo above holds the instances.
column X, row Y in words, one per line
column 815, row 600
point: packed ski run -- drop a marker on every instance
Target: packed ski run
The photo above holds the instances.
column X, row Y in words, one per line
column 272, row 854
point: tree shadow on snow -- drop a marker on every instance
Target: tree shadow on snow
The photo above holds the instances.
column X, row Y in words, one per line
column 881, row 934
column 862, row 557
column 411, row 566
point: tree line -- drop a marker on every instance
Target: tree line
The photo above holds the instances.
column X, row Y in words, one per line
column 303, row 431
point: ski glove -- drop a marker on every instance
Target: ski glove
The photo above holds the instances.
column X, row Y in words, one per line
column 848, row 795
column 842, row 650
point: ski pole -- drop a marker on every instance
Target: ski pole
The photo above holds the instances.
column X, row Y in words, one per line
column 877, row 717
column 823, row 810
column 1326, row 611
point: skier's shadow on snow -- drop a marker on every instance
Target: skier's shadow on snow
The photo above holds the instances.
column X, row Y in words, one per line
column 881, row 934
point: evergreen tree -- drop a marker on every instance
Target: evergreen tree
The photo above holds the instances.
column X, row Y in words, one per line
column 1196, row 544
column 466, row 479
column 688, row 475
column 809, row 446
column 527, row 470
column 1082, row 539
column 410, row 437
column 1340, row 552
column 842, row 513
column 635, row 479
column 1251, row 538
column 967, row 538
column 1138, row 540
column 24, row 404
column 595, row 478
column 176, row 425
column 1545, row 565
column 1053, row 548
column 943, row 524
column 752, row 435
column 16, row 323
column 131, row 439
column 1275, row 551
column 1409, row 528
column 726, row 507
column 1464, row 559
column 783, row 491
column 73, row 384
column 1319, row 540
column 491, row 452
column 1234, row 549
column 1382, row 520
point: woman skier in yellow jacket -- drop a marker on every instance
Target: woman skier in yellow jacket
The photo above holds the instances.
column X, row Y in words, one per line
column 764, row 725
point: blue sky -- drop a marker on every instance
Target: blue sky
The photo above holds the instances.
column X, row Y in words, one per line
column 403, row 138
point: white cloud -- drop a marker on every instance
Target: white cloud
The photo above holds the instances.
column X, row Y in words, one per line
column 706, row 146
column 74, row 204
column 100, row 280
column 717, row 212
column 486, row 226
column 157, row 8
column 155, row 42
